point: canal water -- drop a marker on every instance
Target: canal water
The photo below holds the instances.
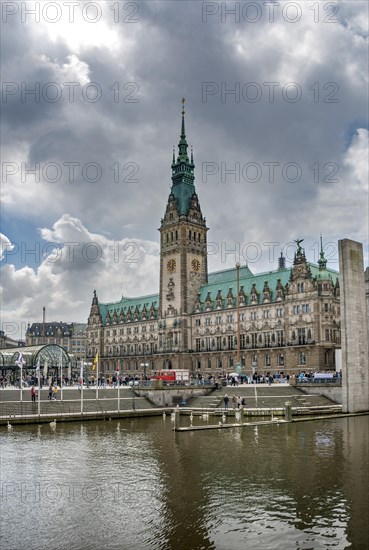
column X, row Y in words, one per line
column 136, row 484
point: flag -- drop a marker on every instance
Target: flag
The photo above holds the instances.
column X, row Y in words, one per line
column 45, row 369
column 94, row 364
column 38, row 367
column 20, row 359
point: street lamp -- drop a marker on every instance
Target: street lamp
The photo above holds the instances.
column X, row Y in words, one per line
column 144, row 365
column 82, row 365
column 20, row 362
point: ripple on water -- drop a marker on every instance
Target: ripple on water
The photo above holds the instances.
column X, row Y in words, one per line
column 136, row 484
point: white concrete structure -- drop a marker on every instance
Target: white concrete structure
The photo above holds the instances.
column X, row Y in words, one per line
column 354, row 330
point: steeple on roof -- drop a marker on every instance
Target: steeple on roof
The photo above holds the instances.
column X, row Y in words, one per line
column 183, row 176
column 322, row 262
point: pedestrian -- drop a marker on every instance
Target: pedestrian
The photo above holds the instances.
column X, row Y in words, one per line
column 55, row 391
column 234, row 402
column 33, row 394
column 50, row 392
column 226, row 401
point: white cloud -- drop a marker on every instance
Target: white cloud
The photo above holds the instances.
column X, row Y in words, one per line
column 5, row 245
column 65, row 279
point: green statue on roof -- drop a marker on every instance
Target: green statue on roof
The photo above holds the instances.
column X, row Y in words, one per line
column 299, row 248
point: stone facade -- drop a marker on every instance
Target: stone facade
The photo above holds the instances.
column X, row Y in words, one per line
column 367, row 296
column 284, row 320
column 70, row 336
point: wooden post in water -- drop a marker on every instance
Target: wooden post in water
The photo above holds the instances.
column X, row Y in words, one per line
column 176, row 418
column 288, row 411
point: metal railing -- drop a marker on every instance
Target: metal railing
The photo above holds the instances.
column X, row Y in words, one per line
column 57, row 408
column 330, row 381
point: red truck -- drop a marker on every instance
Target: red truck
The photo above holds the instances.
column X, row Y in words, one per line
column 173, row 375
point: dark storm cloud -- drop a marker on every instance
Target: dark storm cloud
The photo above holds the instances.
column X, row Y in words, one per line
column 170, row 53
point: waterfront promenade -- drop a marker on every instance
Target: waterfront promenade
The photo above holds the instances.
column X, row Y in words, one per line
column 260, row 400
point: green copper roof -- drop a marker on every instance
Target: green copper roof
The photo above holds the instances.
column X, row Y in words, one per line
column 225, row 280
column 183, row 195
column 219, row 277
column 319, row 273
column 183, row 173
column 125, row 303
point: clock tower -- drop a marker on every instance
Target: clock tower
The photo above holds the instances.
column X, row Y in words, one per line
column 183, row 244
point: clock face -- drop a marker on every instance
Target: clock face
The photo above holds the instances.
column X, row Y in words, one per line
column 195, row 264
column 171, row 265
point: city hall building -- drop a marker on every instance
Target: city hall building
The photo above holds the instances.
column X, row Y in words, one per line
column 284, row 320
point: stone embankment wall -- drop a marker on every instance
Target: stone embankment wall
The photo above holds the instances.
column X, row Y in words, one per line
column 334, row 393
column 170, row 397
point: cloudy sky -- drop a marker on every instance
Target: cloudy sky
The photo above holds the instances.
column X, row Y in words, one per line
column 276, row 110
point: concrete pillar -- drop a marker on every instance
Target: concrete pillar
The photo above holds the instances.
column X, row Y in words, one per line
column 354, row 330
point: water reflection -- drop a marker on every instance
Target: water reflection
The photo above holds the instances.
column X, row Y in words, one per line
column 136, row 484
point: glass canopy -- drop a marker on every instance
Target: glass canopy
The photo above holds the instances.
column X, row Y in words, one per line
column 50, row 355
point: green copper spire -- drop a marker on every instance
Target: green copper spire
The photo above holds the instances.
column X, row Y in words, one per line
column 183, row 172
column 322, row 261
column 183, row 145
column 183, row 133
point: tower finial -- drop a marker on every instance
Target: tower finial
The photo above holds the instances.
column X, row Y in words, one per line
column 322, row 260
column 183, row 132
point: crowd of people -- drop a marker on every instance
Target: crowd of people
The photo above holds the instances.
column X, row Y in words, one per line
column 115, row 380
column 102, row 382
